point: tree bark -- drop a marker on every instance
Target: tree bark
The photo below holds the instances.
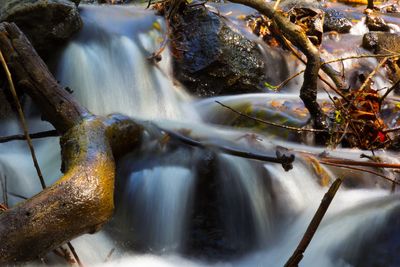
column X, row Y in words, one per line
column 82, row 199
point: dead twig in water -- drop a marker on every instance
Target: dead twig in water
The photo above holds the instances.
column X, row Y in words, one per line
column 291, row 128
column 360, row 169
column 361, row 163
column 286, row 161
column 51, row 133
column 22, row 119
column 72, row 249
column 297, row 256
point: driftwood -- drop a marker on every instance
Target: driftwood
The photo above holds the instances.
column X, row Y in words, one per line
column 81, row 200
column 297, row 255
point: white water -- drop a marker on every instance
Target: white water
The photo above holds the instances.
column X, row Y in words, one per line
column 262, row 206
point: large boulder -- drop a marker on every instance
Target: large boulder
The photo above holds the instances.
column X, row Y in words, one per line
column 211, row 58
column 47, row 23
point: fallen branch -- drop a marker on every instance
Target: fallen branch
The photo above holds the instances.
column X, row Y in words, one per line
column 81, row 201
column 286, row 161
column 297, row 256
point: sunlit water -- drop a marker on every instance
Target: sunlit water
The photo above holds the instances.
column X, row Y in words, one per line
column 262, row 210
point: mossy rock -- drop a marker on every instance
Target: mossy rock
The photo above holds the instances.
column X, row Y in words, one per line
column 47, row 23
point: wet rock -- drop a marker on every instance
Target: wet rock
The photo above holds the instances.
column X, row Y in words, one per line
column 210, row 58
column 336, row 21
column 76, row 2
column 392, row 9
column 310, row 20
column 375, row 23
column 47, row 23
column 381, row 42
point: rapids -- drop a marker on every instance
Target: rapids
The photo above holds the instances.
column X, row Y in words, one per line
column 257, row 211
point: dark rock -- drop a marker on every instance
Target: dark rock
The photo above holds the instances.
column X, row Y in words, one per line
column 77, row 2
column 47, row 23
column 336, row 21
column 392, row 9
column 310, row 20
column 381, row 42
column 210, row 58
column 376, row 23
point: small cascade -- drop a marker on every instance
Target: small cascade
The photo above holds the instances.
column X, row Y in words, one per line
column 246, row 203
column 159, row 199
column 108, row 67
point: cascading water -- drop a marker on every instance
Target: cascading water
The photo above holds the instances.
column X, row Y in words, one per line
column 107, row 65
column 166, row 197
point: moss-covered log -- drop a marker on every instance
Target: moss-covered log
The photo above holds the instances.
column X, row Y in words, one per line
column 81, row 200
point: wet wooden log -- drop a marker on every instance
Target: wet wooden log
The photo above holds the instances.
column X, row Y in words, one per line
column 82, row 199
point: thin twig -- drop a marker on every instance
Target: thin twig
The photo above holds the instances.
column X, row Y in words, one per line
column 17, row 195
column 297, row 256
column 51, row 133
column 372, row 74
column 22, row 119
column 359, row 57
column 359, row 169
column 391, row 130
column 285, row 82
column 361, row 163
column 78, row 260
column 24, row 125
column 291, row 128
column 389, row 91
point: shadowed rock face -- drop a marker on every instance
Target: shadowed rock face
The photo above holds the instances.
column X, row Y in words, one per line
column 213, row 59
column 47, row 23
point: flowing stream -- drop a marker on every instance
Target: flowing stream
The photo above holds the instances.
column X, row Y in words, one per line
column 185, row 206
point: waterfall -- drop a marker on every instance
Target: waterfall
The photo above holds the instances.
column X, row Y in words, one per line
column 166, row 196
column 107, row 66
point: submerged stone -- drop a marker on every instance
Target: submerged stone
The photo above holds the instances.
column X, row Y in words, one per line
column 47, row 23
